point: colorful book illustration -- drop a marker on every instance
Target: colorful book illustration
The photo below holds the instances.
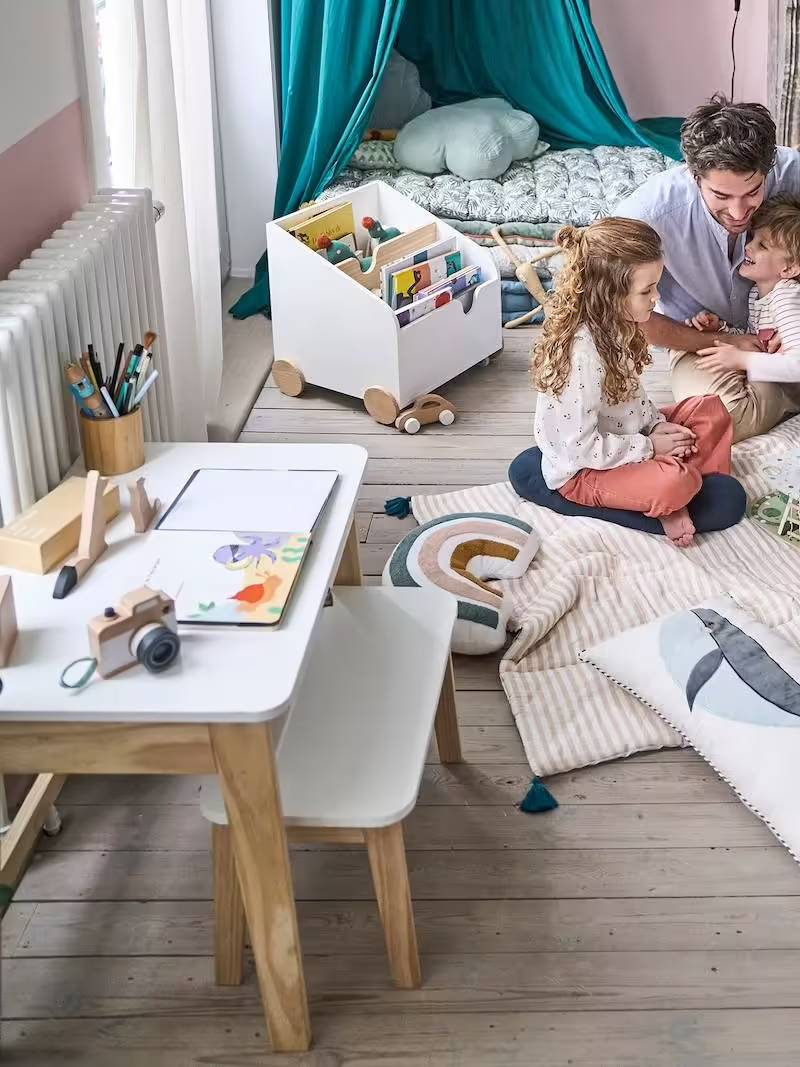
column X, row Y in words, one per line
column 441, row 248
column 406, row 283
column 250, row 582
column 456, row 283
column 421, row 308
column 216, row 569
column 336, row 223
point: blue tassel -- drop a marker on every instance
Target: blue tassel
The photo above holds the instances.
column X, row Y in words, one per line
column 538, row 798
column 399, row 506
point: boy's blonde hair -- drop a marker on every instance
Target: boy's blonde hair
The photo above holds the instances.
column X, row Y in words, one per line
column 592, row 289
column 780, row 216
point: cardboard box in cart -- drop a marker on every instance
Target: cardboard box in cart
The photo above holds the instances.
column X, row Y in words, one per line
column 334, row 332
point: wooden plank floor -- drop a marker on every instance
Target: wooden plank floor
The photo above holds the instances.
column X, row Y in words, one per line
column 650, row 922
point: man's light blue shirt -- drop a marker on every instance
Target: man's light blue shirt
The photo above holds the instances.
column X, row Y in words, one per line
column 699, row 274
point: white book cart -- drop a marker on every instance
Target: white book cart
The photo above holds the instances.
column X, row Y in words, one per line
column 330, row 329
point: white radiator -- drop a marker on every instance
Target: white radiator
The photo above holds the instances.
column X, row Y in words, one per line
column 95, row 281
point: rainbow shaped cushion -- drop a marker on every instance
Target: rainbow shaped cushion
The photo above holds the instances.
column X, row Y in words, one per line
column 459, row 553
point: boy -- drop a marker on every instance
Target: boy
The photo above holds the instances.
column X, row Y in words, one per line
column 772, row 263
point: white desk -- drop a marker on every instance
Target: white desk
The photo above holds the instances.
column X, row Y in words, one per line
column 211, row 713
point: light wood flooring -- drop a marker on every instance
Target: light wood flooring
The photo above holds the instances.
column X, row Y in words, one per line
column 649, row 922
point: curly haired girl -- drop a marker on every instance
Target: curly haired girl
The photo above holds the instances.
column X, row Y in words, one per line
column 603, row 441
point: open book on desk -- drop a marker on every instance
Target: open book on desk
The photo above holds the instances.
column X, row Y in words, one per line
column 232, row 544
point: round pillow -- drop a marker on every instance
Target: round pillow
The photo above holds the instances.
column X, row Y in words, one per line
column 458, row 553
column 476, row 139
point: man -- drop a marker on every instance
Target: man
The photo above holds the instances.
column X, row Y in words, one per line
column 702, row 211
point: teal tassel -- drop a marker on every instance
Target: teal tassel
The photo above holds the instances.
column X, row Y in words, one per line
column 399, row 506
column 538, row 798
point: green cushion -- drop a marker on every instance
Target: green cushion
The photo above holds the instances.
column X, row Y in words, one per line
column 476, row 139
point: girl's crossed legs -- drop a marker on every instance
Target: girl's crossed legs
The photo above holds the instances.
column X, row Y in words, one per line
column 662, row 487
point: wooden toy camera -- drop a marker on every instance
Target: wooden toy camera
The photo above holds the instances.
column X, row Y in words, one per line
column 142, row 630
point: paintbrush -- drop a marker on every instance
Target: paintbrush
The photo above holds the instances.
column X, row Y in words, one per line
column 146, row 358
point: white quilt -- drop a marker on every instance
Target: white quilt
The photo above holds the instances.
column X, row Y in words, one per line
column 591, row 580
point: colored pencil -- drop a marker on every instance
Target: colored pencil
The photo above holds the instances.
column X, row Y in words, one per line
column 112, row 384
column 147, row 385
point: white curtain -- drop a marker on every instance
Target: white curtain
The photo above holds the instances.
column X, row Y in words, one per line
column 157, row 72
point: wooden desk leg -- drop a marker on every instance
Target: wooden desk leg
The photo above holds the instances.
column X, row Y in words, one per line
column 349, row 572
column 19, row 841
column 229, row 921
column 445, row 724
column 246, row 764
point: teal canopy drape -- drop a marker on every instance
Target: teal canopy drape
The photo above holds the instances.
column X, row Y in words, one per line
column 541, row 55
column 333, row 56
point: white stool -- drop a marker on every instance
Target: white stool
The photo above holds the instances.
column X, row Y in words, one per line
column 351, row 756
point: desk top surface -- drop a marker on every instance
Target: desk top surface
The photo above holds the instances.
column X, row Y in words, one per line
column 224, row 673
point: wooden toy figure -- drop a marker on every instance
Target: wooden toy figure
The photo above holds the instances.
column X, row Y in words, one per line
column 92, row 543
column 377, row 232
column 142, row 509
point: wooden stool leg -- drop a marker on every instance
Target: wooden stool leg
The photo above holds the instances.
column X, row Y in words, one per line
column 229, row 924
column 245, row 760
column 448, row 739
column 349, row 572
column 387, row 860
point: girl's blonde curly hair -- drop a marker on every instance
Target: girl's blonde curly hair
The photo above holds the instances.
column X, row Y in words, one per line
column 592, row 289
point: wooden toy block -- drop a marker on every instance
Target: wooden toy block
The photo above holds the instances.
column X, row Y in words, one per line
column 8, row 621
column 48, row 531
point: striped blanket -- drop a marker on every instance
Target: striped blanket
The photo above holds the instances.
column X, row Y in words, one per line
column 591, row 580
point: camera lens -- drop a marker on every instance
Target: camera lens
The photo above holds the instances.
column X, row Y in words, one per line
column 156, row 646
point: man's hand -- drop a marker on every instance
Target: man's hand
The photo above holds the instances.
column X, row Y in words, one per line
column 706, row 322
column 724, row 358
column 744, row 342
column 671, row 439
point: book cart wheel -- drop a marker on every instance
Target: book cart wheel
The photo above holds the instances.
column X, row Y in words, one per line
column 288, row 378
column 381, row 405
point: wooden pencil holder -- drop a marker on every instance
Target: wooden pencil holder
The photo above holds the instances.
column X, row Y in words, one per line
column 112, row 446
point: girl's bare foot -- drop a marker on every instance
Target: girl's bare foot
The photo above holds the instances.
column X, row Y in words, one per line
column 679, row 528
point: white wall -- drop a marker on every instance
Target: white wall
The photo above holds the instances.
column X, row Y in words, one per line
column 668, row 56
column 38, row 65
column 247, row 108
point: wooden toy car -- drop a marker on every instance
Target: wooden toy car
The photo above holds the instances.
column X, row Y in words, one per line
column 427, row 408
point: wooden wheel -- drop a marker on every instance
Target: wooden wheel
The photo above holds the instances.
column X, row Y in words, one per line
column 381, row 405
column 288, row 378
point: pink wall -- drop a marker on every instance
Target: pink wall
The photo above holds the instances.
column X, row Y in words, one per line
column 667, row 56
column 44, row 172
column 44, row 177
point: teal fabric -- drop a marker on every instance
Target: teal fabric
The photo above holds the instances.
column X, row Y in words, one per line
column 333, row 55
column 543, row 56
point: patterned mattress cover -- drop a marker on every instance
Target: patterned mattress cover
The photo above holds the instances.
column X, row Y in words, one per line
column 576, row 186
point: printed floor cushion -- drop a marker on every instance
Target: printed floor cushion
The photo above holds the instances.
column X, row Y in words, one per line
column 459, row 553
column 577, row 186
column 731, row 686
column 721, row 502
column 476, row 139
